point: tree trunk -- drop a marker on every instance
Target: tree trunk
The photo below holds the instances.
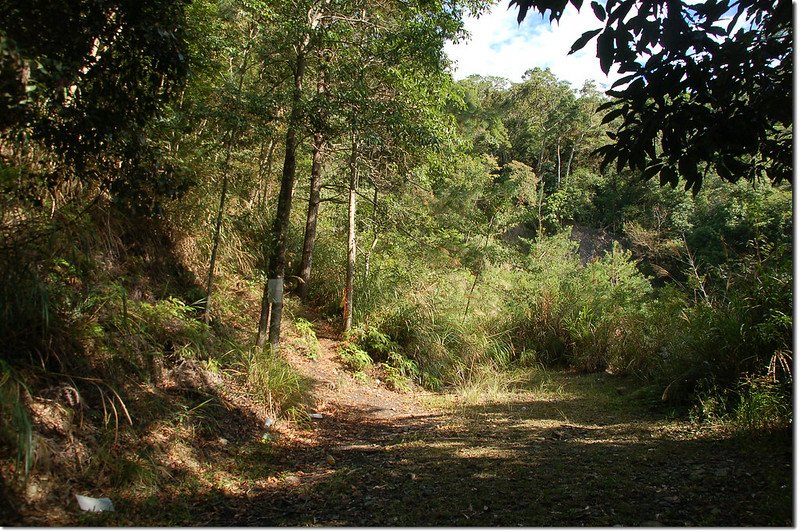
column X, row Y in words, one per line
column 569, row 162
column 540, row 200
column 351, row 238
column 317, row 163
column 265, row 178
column 255, row 194
column 368, row 254
column 572, row 154
column 280, row 227
column 217, row 230
column 540, row 163
column 310, row 239
column 225, row 178
column 478, row 273
column 263, row 320
column 558, row 170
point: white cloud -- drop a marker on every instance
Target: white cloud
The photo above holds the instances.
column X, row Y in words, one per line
column 498, row 46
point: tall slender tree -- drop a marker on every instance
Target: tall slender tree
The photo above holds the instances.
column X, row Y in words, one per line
column 306, row 27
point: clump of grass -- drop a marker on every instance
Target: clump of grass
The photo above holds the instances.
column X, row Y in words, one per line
column 361, row 377
column 763, row 403
column 275, row 383
column 484, row 383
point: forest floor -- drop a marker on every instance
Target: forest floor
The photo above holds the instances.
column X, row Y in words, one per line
column 559, row 449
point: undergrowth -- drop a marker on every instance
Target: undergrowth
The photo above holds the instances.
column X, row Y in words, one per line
column 105, row 349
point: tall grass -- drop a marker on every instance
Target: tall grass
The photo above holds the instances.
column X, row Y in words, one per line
column 277, row 385
column 16, row 428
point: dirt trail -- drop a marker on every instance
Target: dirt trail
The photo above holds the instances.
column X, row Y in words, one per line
column 569, row 452
column 336, row 391
column 560, row 450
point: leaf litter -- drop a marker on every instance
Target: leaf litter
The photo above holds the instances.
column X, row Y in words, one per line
column 572, row 453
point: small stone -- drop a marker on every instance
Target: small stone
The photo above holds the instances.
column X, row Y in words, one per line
column 316, row 415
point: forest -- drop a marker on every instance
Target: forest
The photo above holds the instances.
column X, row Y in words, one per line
column 266, row 262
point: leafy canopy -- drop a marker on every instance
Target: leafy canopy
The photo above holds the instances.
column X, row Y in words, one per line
column 705, row 85
column 84, row 78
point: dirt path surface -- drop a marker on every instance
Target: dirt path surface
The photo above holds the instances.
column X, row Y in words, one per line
column 337, row 393
column 569, row 452
column 560, row 450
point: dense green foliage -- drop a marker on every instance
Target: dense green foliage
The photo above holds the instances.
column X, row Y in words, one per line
column 139, row 164
column 705, row 85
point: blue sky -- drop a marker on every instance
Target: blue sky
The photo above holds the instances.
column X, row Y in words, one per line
column 500, row 47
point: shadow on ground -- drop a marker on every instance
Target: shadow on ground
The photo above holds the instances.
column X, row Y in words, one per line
column 554, row 462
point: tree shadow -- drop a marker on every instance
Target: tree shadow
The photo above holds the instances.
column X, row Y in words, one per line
column 518, row 461
column 496, row 465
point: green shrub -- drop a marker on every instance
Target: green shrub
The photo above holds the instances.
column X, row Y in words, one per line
column 711, row 404
column 538, row 303
column 741, row 334
column 355, row 358
column 308, row 342
column 375, row 342
column 399, row 372
column 437, row 339
column 16, row 428
column 609, row 293
column 587, row 317
column 173, row 324
column 763, row 403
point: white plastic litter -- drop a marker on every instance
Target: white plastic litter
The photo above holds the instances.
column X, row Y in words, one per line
column 268, row 422
column 90, row 504
column 316, row 416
